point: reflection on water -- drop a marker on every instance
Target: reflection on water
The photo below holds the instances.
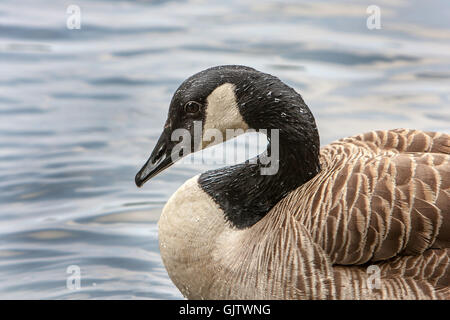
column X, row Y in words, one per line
column 80, row 111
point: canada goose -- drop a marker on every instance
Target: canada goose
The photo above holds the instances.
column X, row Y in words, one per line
column 366, row 217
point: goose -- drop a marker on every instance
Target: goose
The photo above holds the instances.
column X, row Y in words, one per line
column 365, row 217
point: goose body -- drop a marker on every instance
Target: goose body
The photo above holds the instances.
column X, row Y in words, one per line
column 365, row 217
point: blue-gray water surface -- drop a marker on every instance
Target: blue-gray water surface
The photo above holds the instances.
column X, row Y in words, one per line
column 80, row 110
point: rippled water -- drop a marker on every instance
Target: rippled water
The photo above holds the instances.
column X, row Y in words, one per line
column 80, row 111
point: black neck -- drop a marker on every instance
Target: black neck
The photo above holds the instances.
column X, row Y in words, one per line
column 241, row 191
column 246, row 196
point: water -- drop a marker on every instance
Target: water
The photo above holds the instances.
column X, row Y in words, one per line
column 80, row 111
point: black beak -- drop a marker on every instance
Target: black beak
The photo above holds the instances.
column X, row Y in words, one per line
column 160, row 159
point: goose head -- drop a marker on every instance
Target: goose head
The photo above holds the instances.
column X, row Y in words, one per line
column 230, row 97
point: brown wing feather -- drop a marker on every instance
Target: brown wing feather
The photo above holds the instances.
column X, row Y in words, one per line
column 402, row 140
column 371, row 204
column 381, row 196
column 424, row 276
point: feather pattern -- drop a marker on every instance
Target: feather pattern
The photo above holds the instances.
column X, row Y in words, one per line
column 382, row 198
column 373, row 224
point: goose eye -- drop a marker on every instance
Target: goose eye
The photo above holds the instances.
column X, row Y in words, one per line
column 192, row 107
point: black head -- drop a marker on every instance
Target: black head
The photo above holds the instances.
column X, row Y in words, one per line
column 227, row 97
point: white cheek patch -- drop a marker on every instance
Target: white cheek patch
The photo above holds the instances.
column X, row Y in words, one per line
column 222, row 112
